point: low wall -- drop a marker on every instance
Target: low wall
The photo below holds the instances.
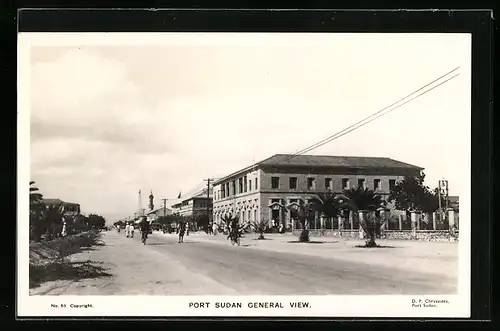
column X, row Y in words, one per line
column 46, row 251
column 423, row 235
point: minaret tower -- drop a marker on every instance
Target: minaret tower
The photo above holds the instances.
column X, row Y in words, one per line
column 151, row 197
column 139, row 206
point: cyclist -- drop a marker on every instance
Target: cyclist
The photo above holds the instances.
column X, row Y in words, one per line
column 144, row 226
column 234, row 230
column 182, row 231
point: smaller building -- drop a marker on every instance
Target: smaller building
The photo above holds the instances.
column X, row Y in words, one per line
column 153, row 215
column 67, row 208
column 194, row 206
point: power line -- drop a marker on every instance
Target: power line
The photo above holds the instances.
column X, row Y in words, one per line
column 378, row 112
column 378, row 116
column 373, row 116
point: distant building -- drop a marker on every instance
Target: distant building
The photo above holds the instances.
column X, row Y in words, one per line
column 68, row 208
column 195, row 205
column 255, row 192
column 159, row 212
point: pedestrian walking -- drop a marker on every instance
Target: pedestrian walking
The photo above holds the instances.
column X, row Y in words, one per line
column 63, row 232
column 182, row 230
column 131, row 230
column 127, row 230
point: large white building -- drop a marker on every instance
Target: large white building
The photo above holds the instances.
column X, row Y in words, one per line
column 253, row 193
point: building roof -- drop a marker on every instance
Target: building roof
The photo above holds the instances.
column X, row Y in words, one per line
column 160, row 210
column 53, row 201
column 326, row 161
column 57, row 202
column 202, row 194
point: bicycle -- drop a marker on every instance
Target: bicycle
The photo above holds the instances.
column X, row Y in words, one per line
column 235, row 238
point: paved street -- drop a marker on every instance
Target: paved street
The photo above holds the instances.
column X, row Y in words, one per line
column 210, row 266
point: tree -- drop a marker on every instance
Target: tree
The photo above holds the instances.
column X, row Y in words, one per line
column 228, row 219
column 326, row 204
column 260, row 227
column 53, row 220
column 202, row 221
column 305, row 213
column 361, row 200
column 96, row 221
column 35, row 195
column 37, row 209
column 411, row 194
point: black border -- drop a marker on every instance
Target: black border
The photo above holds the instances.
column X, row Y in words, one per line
column 478, row 22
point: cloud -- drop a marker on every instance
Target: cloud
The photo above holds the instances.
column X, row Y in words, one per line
column 87, row 96
column 108, row 121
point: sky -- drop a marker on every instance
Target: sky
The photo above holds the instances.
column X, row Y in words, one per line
column 112, row 116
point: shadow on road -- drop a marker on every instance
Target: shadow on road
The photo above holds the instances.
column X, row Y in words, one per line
column 63, row 269
column 378, row 246
column 312, row 242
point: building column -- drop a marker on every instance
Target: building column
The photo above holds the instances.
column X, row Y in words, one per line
column 415, row 224
column 400, row 222
column 451, row 219
column 434, row 216
column 289, row 221
column 270, row 213
column 351, row 219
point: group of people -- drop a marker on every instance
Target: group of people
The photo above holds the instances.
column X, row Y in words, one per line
column 143, row 228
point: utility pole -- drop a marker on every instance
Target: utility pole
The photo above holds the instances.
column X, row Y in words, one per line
column 164, row 209
column 443, row 192
column 208, row 180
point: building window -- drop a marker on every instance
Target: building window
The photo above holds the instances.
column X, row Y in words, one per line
column 293, row 183
column 234, row 187
column 241, row 185
column 250, row 185
column 311, row 183
column 328, row 183
column 345, row 183
column 376, row 184
column 249, row 215
column 255, row 215
column 255, row 183
column 392, row 183
column 275, row 182
column 361, row 183
column 245, row 183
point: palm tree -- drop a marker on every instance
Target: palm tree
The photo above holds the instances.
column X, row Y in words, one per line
column 326, row 204
column 260, row 227
column 228, row 219
column 35, row 195
column 362, row 200
column 37, row 209
column 53, row 220
column 305, row 213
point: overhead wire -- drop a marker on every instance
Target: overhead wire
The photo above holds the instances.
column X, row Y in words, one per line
column 375, row 115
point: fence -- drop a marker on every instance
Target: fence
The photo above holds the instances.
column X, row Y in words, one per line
column 403, row 222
